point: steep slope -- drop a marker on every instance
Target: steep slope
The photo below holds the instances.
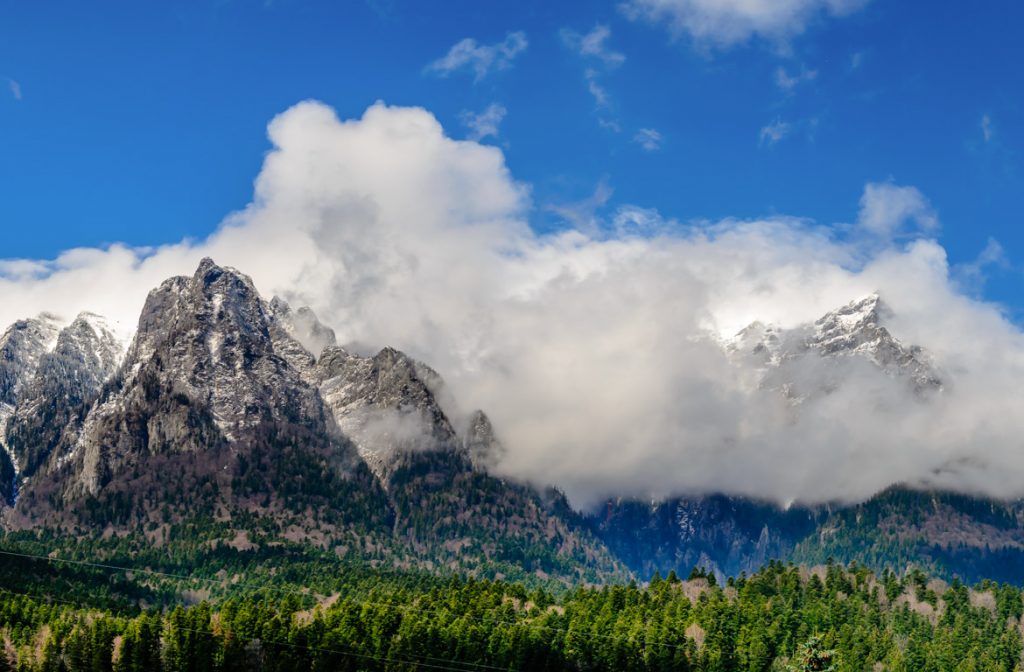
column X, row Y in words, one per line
column 65, row 381
column 221, row 428
column 203, row 417
column 946, row 533
column 385, row 405
column 448, row 509
column 813, row 359
column 21, row 346
column 726, row 535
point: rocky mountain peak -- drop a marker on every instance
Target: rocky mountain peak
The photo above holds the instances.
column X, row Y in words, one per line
column 480, row 442
column 386, row 404
column 21, row 346
column 853, row 330
column 303, row 325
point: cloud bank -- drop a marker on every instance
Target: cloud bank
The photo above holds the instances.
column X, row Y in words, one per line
column 595, row 352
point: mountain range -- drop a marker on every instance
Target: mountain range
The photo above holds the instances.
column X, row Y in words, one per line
column 233, row 421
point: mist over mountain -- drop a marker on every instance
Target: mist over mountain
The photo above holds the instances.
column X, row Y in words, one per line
column 597, row 352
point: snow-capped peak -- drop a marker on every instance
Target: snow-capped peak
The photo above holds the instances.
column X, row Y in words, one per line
column 854, row 330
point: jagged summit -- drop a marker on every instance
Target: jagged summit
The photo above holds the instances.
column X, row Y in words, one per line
column 21, row 346
column 386, row 404
column 853, row 330
column 201, row 373
column 303, row 325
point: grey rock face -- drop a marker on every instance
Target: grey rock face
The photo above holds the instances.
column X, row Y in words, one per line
column 814, row 358
column 201, row 373
column 303, row 325
column 480, row 443
column 86, row 354
column 21, row 346
column 385, row 404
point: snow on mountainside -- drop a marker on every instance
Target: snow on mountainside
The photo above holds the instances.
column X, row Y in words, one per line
column 807, row 359
column 47, row 373
column 385, row 404
column 86, row 354
column 21, row 346
column 201, row 372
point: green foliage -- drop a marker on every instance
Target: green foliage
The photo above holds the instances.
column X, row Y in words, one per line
column 836, row 619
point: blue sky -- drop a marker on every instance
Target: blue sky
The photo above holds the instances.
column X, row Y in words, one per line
column 146, row 122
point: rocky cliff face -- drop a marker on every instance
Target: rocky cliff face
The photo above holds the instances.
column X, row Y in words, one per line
column 226, row 409
column 814, row 358
column 21, row 346
column 65, row 382
column 202, row 392
column 386, row 405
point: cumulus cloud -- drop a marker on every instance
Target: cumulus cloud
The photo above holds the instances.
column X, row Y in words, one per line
column 484, row 124
column 596, row 352
column 481, row 59
column 724, row 23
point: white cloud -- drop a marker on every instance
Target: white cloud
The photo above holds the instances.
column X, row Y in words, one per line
column 774, row 132
column 788, row 82
column 15, row 88
column 583, row 215
column 482, row 59
column 594, row 351
column 484, row 124
column 593, row 44
column 889, row 210
column 595, row 88
column 986, row 128
column 724, row 23
column 649, row 139
column 592, row 47
column 971, row 276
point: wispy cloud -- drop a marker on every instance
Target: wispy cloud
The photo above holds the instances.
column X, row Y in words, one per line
column 481, row 59
column 593, row 44
column 987, row 131
column 649, row 139
column 971, row 276
column 598, row 91
column 583, row 215
column 15, row 88
column 787, row 82
column 593, row 48
column 483, row 124
column 725, row 23
column 774, row 132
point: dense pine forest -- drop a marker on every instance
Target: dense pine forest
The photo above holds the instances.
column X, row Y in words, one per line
column 82, row 616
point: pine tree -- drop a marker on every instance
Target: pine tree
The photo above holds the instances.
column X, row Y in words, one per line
column 811, row 657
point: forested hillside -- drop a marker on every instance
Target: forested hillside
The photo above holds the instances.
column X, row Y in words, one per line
column 781, row 617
